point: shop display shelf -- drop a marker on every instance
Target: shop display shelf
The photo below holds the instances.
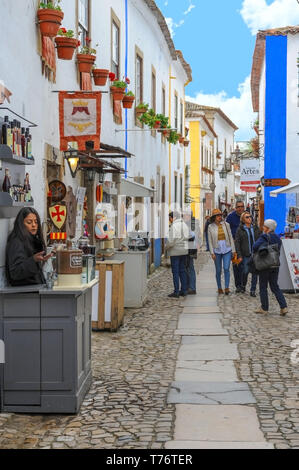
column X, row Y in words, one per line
column 6, row 155
column 7, row 201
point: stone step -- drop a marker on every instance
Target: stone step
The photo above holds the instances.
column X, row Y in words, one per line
column 208, row 352
column 217, row 445
column 218, row 423
column 201, row 332
column 206, row 371
column 211, row 393
column 200, row 310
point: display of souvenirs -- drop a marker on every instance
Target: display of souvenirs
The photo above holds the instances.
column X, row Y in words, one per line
column 58, row 214
column 6, row 186
column 103, row 228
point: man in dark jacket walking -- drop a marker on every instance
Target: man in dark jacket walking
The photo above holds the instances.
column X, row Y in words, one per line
column 247, row 234
column 234, row 221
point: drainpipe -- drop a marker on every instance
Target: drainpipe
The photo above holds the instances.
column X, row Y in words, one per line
column 184, row 124
column 126, row 73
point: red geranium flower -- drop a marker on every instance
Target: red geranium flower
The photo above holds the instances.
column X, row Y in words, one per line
column 127, row 80
column 111, row 76
column 63, row 30
column 79, row 43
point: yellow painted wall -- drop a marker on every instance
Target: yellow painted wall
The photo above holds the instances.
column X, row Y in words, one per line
column 194, row 133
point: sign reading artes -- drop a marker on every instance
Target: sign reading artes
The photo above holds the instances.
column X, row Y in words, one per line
column 79, row 119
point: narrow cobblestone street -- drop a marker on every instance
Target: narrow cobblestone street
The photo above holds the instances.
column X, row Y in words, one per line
column 133, row 370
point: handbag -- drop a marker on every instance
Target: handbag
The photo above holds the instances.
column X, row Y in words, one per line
column 267, row 257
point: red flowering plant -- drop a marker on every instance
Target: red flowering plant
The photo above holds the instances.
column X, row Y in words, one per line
column 68, row 33
column 87, row 49
column 119, row 83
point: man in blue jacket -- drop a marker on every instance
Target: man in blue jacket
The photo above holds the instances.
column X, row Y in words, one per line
column 234, row 221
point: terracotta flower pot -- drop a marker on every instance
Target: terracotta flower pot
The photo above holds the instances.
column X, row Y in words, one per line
column 181, row 140
column 100, row 76
column 85, row 62
column 186, row 143
column 128, row 102
column 157, row 125
column 140, row 111
column 49, row 21
column 166, row 133
column 65, row 47
column 118, row 93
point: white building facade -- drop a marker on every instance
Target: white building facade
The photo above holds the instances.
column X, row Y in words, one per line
column 134, row 41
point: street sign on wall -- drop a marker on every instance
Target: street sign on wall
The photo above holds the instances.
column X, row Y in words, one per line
column 275, row 182
column 250, row 174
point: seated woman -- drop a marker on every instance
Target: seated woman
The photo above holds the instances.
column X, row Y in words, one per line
column 25, row 251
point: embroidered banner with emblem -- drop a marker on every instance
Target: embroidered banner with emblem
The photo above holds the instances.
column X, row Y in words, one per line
column 80, row 119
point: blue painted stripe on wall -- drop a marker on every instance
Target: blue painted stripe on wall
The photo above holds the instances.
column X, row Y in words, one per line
column 276, row 124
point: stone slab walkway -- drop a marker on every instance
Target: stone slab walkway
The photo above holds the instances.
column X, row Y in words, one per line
column 214, row 410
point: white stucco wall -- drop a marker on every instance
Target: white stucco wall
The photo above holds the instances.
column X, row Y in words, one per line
column 20, row 70
column 224, row 132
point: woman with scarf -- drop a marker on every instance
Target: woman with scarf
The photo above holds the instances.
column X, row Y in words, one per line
column 25, row 251
column 246, row 236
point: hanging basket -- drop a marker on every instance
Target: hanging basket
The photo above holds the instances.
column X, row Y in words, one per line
column 118, row 93
column 100, row 76
column 186, row 143
column 128, row 102
column 181, row 140
column 65, row 47
column 85, row 62
column 49, row 21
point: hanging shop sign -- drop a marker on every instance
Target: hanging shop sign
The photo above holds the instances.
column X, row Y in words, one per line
column 250, row 174
column 58, row 215
column 79, row 119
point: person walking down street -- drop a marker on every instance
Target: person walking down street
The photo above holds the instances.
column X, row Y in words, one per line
column 208, row 221
column 270, row 276
column 222, row 247
column 192, row 255
column 177, row 249
column 234, row 221
column 247, row 234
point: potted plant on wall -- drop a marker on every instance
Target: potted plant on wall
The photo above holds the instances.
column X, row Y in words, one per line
column 118, row 88
column 66, row 44
column 173, row 137
column 100, row 76
column 128, row 100
column 141, row 109
column 50, row 18
column 86, row 57
column 164, row 121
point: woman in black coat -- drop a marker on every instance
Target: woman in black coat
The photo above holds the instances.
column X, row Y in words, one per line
column 270, row 276
column 247, row 234
column 25, row 251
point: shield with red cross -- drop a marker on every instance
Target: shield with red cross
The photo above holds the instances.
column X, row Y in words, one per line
column 58, row 215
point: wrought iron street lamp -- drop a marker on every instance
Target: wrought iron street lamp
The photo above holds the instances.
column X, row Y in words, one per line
column 73, row 162
column 223, row 174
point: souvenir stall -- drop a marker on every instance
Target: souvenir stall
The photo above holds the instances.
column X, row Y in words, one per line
column 289, row 269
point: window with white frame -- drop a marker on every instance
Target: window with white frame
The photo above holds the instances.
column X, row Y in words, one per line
column 83, row 20
column 115, row 49
column 139, row 79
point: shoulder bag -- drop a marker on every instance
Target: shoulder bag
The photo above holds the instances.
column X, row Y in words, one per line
column 267, row 257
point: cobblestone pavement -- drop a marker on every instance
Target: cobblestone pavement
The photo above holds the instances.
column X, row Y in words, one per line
column 265, row 349
column 132, row 371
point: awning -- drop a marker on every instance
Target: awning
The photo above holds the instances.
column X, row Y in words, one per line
column 130, row 188
column 290, row 189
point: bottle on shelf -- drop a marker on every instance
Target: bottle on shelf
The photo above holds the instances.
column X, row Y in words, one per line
column 14, row 136
column 6, row 182
column 19, row 144
column 23, row 142
column 5, row 126
column 28, row 144
column 27, row 189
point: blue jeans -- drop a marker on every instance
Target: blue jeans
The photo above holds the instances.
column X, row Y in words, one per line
column 237, row 268
column 226, row 259
column 271, row 278
column 207, row 241
column 191, row 275
column 245, row 272
column 179, row 274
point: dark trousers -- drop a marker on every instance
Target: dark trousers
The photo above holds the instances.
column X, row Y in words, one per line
column 245, row 272
column 191, row 274
column 271, row 278
column 178, row 266
column 238, row 275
